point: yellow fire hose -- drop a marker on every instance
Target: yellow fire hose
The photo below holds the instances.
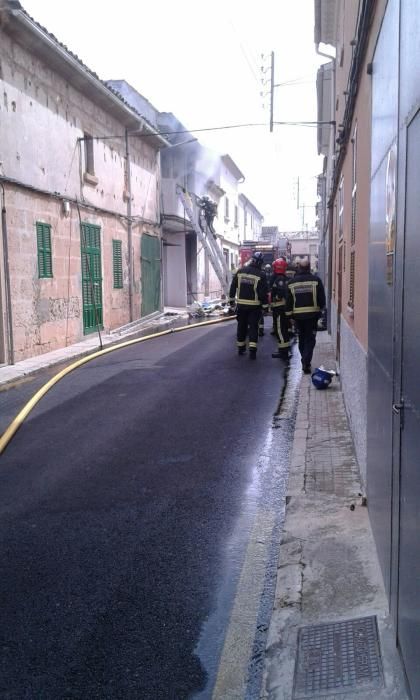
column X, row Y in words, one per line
column 18, row 420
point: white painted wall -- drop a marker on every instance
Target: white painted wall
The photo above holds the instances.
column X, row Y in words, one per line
column 227, row 226
column 42, row 118
column 306, row 247
column 250, row 221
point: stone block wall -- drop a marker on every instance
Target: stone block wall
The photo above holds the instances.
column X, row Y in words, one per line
column 47, row 312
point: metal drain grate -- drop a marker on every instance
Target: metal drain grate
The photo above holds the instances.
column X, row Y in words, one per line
column 338, row 657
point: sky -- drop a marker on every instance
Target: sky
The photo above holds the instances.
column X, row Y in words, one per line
column 205, row 62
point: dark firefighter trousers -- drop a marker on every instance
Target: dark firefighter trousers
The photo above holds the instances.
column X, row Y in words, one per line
column 281, row 327
column 306, row 328
column 248, row 318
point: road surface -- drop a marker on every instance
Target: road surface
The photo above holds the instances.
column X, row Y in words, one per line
column 140, row 506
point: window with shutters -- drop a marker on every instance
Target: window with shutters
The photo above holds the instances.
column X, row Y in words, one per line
column 43, row 240
column 352, row 263
column 340, row 209
column 226, row 209
column 354, row 188
column 89, row 177
column 117, row 263
column 89, row 160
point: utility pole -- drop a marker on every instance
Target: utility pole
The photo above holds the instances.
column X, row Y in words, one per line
column 272, row 92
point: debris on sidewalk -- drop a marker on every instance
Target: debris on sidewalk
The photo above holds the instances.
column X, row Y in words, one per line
column 209, row 307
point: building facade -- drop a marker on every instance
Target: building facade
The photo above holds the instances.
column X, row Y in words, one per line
column 279, row 239
column 80, row 245
column 250, row 220
column 370, row 234
column 304, row 244
column 227, row 224
column 344, row 208
column 188, row 270
column 189, row 274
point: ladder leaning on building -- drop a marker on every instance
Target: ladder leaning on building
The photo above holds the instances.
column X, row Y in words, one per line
column 208, row 241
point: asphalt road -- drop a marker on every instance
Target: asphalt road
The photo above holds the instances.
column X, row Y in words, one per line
column 140, row 506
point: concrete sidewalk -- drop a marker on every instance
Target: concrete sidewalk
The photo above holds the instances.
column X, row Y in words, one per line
column 328, row 569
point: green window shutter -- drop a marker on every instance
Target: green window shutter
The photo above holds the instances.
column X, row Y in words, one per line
column 117, row 264
column 43, row 239
column 90, row 239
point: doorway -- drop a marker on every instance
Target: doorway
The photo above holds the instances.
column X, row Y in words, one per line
column 191, row 264
column 91, row 278
column 339, row 300
column 150, row 274
column 408, row 606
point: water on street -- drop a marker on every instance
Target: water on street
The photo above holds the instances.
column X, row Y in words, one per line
column 140, row 509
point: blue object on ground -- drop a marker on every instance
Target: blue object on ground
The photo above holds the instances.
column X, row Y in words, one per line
column 321, row 378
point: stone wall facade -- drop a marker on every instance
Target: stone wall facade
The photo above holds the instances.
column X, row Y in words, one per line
column 53, row 173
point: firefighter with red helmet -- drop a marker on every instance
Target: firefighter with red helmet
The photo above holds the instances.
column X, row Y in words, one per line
column 267, row 271
column 249, row 286
column 278, row 306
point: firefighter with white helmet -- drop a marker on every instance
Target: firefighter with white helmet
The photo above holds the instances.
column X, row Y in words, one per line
column 305, row 301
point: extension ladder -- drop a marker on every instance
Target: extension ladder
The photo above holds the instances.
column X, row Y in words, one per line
column 208, row 241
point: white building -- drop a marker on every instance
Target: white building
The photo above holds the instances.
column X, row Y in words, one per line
column 250, row 220
column 227, row 226
column 304, row 244
column 188, row 271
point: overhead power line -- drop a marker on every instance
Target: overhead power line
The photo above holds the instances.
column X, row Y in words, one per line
column 249, row 60
column 209, row 128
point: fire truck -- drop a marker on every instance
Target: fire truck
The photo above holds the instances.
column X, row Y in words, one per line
column 280, row 249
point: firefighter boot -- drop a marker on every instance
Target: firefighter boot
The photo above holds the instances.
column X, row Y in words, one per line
column 281, row 355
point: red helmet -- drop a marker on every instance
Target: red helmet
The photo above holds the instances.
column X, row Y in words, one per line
column 279, row 266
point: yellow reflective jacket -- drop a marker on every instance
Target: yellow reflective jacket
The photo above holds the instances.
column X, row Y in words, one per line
column 305, row 296
column 249, row 286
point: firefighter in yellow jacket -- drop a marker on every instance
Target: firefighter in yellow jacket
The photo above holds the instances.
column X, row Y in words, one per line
column 278, row 290
column 249, row 286
column 304, row 303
